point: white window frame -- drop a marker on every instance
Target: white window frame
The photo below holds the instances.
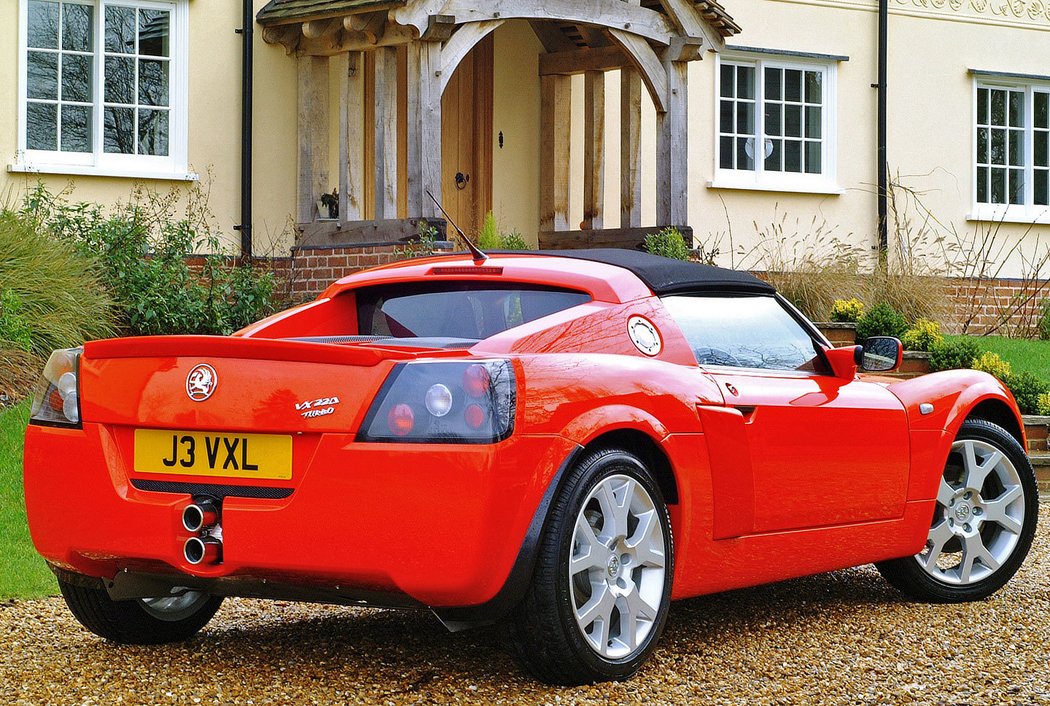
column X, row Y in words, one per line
column 1029, row 211
column 759, row 179
column 98, row 162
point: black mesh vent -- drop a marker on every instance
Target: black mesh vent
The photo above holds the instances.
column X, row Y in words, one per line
column 215, row 491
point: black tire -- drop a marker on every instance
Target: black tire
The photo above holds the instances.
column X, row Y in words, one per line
column 909, row 577
column 131, row 622
column 542, row 632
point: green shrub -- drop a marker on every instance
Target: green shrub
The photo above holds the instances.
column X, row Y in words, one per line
column 1044, row 404
column 847, row 310
column 147, row 251
column 881, row 320
column 490, row 237
column 924, row 335
column 992, row 364
column 954, row 355
column 50, row 294
column 1044, row 320
column 668, row 243
column 1029, row 392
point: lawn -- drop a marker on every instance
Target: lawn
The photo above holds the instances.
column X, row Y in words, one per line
column 23, row 573
column 1022, row 354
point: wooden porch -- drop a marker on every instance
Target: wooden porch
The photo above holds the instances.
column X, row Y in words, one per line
column 396, row 63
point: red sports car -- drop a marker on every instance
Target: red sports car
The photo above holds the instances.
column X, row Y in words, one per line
column 562, row 443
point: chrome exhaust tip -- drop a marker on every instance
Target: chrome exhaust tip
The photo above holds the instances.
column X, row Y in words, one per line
column 200, row 514
column 206, row 550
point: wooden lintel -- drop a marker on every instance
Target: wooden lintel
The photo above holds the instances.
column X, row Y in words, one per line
column 624, row 238
column 345, row 41
column 578, row 61
column 439, row 28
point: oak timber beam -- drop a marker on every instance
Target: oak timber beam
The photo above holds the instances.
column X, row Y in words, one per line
column 344, row 41
column 593, row 150
column 555, row 135
column 672, row 149
column 651, row 67
column 579, row 61
column 386, row 133
column 424, row 128
column 372, row 25
column 630, row 149
column 351, row 138
column 460, row 44
column 551, row 37
column 313, row 135
column 686, row 15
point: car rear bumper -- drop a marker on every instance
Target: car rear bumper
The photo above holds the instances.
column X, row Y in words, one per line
column 438, row 525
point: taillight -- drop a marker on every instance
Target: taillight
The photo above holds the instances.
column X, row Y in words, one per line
column 57, row 399
column 446, row 402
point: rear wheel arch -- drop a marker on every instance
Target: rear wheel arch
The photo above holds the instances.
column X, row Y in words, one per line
column 648, row 450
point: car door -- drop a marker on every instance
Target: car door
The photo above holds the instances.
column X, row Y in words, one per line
column 824, row 450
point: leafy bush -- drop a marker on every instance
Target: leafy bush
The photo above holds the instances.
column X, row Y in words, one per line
column 992, row 364
column 490, row 237
column 14, row 329
column 954, row 355
column 881, row 320
column 1029, row 392
column 847, row 310
column 668, row 243
column 1044, row 404
column 147, row 254
column 924, row 335
column 1044, row 320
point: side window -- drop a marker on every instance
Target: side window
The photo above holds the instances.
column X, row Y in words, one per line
column 744, row 332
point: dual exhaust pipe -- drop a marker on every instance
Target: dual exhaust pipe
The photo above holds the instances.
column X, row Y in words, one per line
column 202, row 518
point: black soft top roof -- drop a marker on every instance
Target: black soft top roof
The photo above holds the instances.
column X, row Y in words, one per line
column 666, row 276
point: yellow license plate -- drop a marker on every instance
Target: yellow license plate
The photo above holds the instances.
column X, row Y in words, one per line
column 195, row 453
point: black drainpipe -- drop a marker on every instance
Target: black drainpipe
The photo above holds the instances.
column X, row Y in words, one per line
column 883, row 194
column 247, row 33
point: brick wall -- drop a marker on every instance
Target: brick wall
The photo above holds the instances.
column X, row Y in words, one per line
column 309, row 271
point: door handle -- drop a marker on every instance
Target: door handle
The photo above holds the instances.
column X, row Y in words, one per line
column 747, row 412
column 462, row 180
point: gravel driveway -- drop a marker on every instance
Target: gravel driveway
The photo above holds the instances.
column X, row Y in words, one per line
column 840, row 638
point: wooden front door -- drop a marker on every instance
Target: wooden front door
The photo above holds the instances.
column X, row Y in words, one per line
column 466, row 139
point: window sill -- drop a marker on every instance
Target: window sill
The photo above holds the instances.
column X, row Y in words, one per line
column 84, row 170
column 1034, row 215
column 800, row 187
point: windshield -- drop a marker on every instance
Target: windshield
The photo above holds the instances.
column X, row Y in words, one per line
column 471, row 310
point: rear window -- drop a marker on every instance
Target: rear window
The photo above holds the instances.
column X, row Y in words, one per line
column 473, row 310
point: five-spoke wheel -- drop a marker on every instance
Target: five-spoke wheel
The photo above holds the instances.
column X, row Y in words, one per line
column 600, row 593
column 983, row 523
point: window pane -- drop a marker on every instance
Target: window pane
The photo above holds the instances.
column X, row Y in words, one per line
column 813, row 126
column 793, row 85
column 982, row 106
column 1016, row 148
column 1041, row 109
column 773, row 119
column 725, row 116
column 153, row 132
column 119, row 130
column 43, row 25
column 76, row 128
column 998, row 154
column 745, row 82
column 745, row 118
column 814, row 87
column 1016, row 109
column 1042, row 187
column 153, row 82
column 76, row 78
column 41, row 126
column 792, row 156
column 1016, row 186
column 745, row 156
column 773, row 159
column 120, row 80
column 1042, row 154
column 773, row 80
column 42, row 75
column 998, row 186
column 813, row 158
column 726, row 87
column 120, row 30
column 998, row 107
column 982, row 185
column 154, row 33
column 77, row 27
column 725, row 152
column 982, row 145
column 793, row 121
column 748, row 332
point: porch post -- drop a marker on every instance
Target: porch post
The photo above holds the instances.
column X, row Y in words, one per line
column 386, row 133
column 313, row 135
column 672, row 142
column 593, row 150
column 352, row 139
column 555, row 134
column 424, row 127
column 630, row 148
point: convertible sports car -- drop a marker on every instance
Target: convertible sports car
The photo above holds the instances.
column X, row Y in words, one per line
column 561, row 443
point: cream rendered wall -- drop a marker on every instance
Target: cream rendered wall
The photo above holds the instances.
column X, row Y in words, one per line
column 214, row 127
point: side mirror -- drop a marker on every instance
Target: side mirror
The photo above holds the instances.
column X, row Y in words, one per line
column 881, row 354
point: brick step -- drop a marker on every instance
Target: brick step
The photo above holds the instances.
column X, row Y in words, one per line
column 1041, row 463
column 1037, row 429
